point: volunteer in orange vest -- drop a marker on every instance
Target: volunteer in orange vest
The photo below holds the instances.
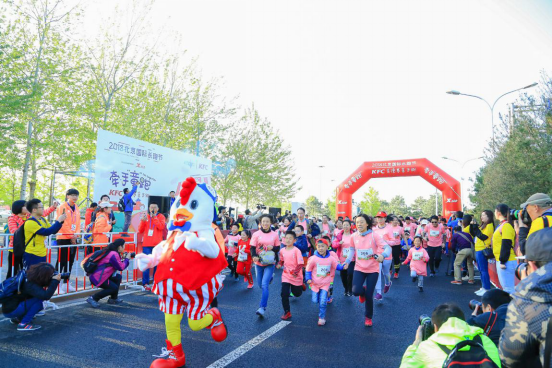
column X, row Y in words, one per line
column 102, row 225
column 152, row 225
column 66, row 235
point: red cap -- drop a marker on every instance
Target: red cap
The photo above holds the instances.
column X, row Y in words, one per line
column 381, row 214
column 323, row 241
column 240, row 216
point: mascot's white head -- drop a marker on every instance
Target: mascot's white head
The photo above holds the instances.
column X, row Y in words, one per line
column 194, row 207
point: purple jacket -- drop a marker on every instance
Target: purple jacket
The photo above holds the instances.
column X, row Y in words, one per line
column 107, row 266
column 458, row 242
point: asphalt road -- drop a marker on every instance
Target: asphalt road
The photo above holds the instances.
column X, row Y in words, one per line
column 128, row 335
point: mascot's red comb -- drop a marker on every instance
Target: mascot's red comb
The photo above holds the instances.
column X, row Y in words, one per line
column 188, row 187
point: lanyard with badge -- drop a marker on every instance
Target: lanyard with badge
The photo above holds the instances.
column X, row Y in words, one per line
column 150, row 231
column 73, row 218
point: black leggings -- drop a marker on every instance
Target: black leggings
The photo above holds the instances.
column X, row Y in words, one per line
column 66, row 256
column 396, row 251
column 110, row 287
column 347, row 277
column 286, row 288
column 232, row 265
column 434, row 257
column 371, row 280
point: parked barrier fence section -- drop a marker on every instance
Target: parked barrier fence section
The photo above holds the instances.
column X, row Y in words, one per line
column 82, row 249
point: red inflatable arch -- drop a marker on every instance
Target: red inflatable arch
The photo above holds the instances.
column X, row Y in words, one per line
column 422, row 167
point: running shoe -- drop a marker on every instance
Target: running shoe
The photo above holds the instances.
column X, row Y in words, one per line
column 261, row 312
column 480, row 292
column 15, row 321
column 378, row 297
column 362, row 298
column 330, row 300
column 92, row 302
column 114, row 301
column 368, row 322
column 286, row 316
column 250, row 286
column 456, row 282
column 387, row 287
column 420, row 289
column 414, row 279
column 27, row 327
column 321, row 322
column 146, row 288
column 396, row 275
column 465, row 278
column 471, row 282
column 432, row 274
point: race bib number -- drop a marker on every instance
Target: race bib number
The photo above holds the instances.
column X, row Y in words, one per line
column 346, row 252
column 242, row 256
column 150, row 232
column 364, row 254
column 417, row 256
column 434, row 233
column 322, row 270
column 396, row 234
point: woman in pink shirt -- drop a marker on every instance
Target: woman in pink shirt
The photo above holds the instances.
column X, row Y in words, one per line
column 338, row 227
column 435, row 234
column 292, row 262
column 370, row 251
column 342, row 245
column 265, row 244
column 418, row 258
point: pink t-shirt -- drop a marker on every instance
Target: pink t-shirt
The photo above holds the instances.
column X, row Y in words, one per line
column 291, row 259
column 418, row 259
column 397, row 233
column 435, row 235
column 304, row 224
column 410, row 230
column 325, row 229
column 386, row 233
column 260, row 240
column 232, row 241
column 345, row 249
column 365, row 247
column 283, row 230
column 322, row 271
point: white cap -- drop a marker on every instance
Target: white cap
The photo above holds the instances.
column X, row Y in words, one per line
column 105, row 204
column 425, row 222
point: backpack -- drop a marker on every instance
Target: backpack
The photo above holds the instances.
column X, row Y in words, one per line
column 19, row 244
column 121, row 205
column 90, row 263
column 475, row 357
column 12, row 286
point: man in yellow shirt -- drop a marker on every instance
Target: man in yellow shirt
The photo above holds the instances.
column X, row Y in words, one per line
column 539, row 208
column 37, row 229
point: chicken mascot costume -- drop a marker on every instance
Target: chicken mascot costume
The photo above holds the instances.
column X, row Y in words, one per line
column 188, row 265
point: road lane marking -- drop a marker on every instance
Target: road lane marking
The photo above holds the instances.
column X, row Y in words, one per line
column 235, row 354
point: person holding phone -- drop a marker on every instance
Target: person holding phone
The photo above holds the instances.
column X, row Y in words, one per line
column 152, row 225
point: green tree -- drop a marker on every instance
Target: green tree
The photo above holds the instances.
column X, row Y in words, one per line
column 397, row 205
column 331, row 206
column 314, row 206
column 371, row 203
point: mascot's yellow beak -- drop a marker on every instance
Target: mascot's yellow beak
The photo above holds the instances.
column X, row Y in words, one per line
column 181, row 216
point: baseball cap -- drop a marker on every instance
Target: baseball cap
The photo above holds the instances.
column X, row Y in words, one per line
column 539, row 246
column 105, row 205
column 540, row 199
column 323, row 241
column 381, row 214
column 425, row 222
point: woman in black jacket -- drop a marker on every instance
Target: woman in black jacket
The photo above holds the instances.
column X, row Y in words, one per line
column 22, row 308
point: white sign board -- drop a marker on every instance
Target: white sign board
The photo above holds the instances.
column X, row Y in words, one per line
column 122, row 161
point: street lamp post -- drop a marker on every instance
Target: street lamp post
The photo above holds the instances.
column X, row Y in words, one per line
column 491, row 107
column 462, row 164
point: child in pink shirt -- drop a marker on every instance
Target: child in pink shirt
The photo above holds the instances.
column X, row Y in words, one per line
column 320, row 274
column 418, row 258
column 231, row 242
column 292, row 262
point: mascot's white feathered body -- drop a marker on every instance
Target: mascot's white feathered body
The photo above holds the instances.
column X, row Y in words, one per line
column 188, row 265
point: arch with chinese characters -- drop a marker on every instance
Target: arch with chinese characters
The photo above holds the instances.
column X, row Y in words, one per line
column 422, row 167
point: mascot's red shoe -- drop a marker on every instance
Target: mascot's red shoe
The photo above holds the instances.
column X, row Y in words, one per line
column 174, row 357
column 218, row 328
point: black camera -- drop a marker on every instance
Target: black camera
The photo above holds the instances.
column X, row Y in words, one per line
column 523, row 214
column 474, row 303
column 520, row 268
column 132, row 255
column 427, row 326
column 64, row 275
column 260, row 205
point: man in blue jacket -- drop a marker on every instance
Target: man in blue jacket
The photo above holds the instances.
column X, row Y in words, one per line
column 128, row 205
column 491, row 314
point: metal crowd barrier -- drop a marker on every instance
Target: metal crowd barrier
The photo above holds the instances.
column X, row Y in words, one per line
column 78, row 276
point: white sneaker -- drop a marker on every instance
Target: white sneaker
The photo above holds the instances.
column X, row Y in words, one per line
column 71, row 287
column 480, row 292
column 465, row 278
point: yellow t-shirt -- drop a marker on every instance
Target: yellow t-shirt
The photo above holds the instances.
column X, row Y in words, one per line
column 480, row 244
column 37, row 246
column 504, row 231
column 538, row 224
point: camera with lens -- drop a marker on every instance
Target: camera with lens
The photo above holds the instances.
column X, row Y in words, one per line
column 519, row 270
column 132, row 255
column 64, row 275
column 474, row 303
column 427, row 326
column 260, row 205
column 521, row 214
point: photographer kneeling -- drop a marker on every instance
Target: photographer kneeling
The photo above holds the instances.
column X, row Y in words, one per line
column 22, row 308
column 490, row 314
column 110, row 260
column 447, row 329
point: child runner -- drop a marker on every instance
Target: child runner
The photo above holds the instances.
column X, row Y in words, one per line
column 370, row 251
column 324, row 266
column 283, row 228
column 333, row 254
column 418, row 258
column 232, row 240
column 342, row 243
column 291, row 261
column 243, row 266
column 435, row 234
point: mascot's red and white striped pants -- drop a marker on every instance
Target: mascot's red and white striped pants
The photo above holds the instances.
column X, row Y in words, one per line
column 175, row 299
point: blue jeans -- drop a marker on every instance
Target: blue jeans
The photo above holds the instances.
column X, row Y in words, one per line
column 506, row 277
column 128, row 217
column 26, row 310
column 264, row 275
column 30, row 259
column 321, row 298
column 146, row 273
column 483, row 266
